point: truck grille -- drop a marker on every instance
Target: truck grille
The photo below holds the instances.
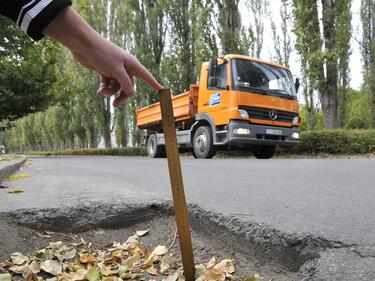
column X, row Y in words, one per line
column 269, row 114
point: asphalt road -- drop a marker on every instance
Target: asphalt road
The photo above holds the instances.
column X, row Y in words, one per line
column 332, row 198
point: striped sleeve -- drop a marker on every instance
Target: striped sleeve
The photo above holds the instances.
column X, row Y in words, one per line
column 33, row 16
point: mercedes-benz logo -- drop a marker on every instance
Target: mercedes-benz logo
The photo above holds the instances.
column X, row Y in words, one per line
column 272, row 114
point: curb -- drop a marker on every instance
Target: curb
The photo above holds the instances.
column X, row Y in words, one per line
column 10, row 167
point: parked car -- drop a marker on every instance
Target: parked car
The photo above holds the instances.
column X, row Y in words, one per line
column 2, row 149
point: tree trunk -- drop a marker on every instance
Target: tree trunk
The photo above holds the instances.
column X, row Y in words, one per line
column 329, row 107
column 328, row 89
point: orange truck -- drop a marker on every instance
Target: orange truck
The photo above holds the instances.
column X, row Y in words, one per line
column 241, row 103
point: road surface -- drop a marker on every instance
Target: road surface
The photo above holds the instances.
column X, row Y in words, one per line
column 329, row 198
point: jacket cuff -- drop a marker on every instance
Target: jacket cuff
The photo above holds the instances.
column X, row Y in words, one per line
column 35, row 20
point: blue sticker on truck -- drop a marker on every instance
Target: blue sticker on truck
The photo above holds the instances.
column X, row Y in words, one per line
column 215, row 99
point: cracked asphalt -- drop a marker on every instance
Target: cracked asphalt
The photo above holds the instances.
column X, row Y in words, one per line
column 328, row 198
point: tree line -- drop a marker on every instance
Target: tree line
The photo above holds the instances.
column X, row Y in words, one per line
column 49, row 102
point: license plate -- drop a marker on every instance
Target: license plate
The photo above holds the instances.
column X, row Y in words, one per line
column 274, row 132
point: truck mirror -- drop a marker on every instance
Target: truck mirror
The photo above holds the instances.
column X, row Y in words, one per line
column 297, row 84
column 212, row 65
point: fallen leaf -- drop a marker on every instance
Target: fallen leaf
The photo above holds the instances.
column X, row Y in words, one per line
column 52, row 267
column 105, row 270
column 200, row 269
column 160, row 250
column 5, row 277
column 141, row 233
column 76, row 275
column 132, row 260
column 173, row 277
column 155, row 255
column 226, row 266
column 87, row 258
column 34, row 267
column 66, row 255
column 18, row 258
column 152, row 270
column 93, row 274
column 16, row 191
column 19, row 269
column 212, row 262
column 56, row 245
column 18, row 176
column 41, row 255
column 2, row 186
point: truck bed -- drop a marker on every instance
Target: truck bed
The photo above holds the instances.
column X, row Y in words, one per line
column 185, row 107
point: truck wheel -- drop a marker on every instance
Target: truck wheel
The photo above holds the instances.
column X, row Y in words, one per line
column 203, row 144
column 264, row 151
column 154, row 150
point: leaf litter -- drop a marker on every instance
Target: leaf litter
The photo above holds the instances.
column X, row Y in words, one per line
column 129, row 260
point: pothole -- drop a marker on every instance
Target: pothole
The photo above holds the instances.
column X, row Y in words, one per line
column 255, row 248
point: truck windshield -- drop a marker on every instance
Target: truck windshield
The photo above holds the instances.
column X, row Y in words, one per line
column 262, row 78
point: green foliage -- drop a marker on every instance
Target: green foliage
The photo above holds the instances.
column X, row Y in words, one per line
column 326, row 68
column 358, row 110
column 305, row 116
column 27, row 73
column 334, row 142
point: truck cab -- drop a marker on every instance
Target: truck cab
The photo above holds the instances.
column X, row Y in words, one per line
column 241, row 103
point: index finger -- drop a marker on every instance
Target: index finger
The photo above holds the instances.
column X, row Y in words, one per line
column 138, row 70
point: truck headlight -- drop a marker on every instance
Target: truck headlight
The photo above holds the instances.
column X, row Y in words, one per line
column 295, row 135
column 296, row 120
column 241, row 131
column 243, row 113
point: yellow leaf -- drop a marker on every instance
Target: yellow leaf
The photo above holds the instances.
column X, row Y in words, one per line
column 15, row 191
column 87, row 258
column 132, row 260
column 17, row 177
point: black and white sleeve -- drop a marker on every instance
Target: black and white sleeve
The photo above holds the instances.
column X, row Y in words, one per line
column 32, row 15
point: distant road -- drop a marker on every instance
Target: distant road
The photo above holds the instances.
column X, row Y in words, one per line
column 332, row 198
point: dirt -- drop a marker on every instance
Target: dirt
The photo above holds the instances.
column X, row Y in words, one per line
column 16, row 238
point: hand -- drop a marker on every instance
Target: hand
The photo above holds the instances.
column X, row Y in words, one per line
column 115, row 66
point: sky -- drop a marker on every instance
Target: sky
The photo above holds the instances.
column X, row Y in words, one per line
column 356, row 77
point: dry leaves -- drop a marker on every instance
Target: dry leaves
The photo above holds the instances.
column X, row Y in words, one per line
column 18, row 176
column 122, row 261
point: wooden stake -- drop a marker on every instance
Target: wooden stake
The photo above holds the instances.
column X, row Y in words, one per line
column 175, row 174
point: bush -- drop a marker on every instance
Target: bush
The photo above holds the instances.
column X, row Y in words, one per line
column 334, row 142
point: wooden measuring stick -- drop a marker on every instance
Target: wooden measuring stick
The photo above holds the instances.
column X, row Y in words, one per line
column 175, row 174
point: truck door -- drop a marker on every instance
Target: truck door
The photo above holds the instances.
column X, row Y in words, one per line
column 216, row 99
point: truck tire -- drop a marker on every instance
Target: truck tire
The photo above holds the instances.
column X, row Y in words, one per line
column 154, row 150
column 203, row 144
column 264, row 151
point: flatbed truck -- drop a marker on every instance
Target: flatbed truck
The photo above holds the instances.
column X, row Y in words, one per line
column 240, row 103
